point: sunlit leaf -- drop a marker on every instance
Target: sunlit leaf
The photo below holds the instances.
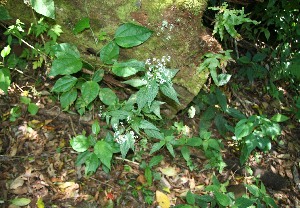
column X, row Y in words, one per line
column 129, row 35
column 81, row 25
column 67, row 98
column 80, row 143
column 279, row 118
column 89, row 91
column 223, row 199
column 107, row 96
column 20, row 201
column 33, row 108
column 44, row 7
column 128, row 68
column 162, row 200
column 110, row 53
column 64, row 84
column 104, row 152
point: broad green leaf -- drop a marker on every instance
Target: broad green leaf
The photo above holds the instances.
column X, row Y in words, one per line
column 127, row 144
column 129, row 35
column 44, row 7
column 235, row 113
column 157, row 146
column 33, row 108
column 81, row 25
column 144, row 124
column 104, row 152
column 190, row 197
column 168, row 90
column 170, row 149
column 4, row 15
column 223, row 79
column 5, row 51
column 89, row 91
column 147, row 94
column 221, row 124
column 253, row 189
column 155, row 108
column 81, row 158
column 80, row 143
column 242, row 202
column 270, row 201
column 25, row 100
column 186, row 154
column 107, row 96
column 98, row 75
column 155, row 160
column 244, row 60
column 92, row 163
column 213, row 143
column 279, row 118
column 65, row 49
column 110, row 53
column 64, row 84
column 96, row 127
column 128, row 68
column 65, row 65
column 221, row 99
column 194, row 142
column 214, row 76
column 4, row 79
column 20, row 201
column 136, row 82
column 259, row 57
column 154, row 134
column 148, row 175
column 67, row 61
column 223, row 199
column 243, row 128
column 67, row 98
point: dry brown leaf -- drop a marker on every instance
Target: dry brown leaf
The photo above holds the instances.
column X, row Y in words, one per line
column 19, row 181
column 162, row 200
column 141, row 179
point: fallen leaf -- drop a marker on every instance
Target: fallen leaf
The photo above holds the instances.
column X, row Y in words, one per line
column 17, row 183
column 141, row 179
column 169, row 171
column 162, row 200
column 20, row 201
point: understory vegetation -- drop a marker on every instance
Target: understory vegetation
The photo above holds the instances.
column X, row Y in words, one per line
column 260, row 59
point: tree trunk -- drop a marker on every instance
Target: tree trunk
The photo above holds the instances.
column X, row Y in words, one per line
column 177, row 26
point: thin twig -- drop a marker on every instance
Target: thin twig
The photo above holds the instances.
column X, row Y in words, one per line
column 72, row 126
column 129, row 161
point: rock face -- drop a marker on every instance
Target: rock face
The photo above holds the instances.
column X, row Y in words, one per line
column 177, row 26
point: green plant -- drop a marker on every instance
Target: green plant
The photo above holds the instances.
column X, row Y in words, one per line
column 217, row 195
column 255, row 132
column 100, row 154
column 148, row 168
column 228, row 19
column 251, row 66
column 212, row 61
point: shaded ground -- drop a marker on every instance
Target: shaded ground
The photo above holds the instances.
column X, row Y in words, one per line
column 36, row 160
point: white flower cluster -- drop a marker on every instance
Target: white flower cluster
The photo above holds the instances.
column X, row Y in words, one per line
column 157, row 70
column 121, row 135
column 166, row 26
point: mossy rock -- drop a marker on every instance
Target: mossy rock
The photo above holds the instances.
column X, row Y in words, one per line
column 177, row 26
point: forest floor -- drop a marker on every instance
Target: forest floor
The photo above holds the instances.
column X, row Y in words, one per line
column 37, row 162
